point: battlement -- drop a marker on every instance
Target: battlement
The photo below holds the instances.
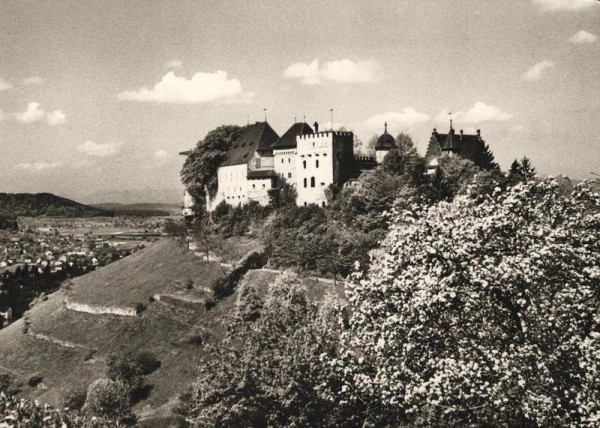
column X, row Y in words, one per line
column 364, row 158
column 325, row 134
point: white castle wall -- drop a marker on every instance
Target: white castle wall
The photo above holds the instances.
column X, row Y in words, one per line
column 314, row 167
column 380, row 154
column 234, row 187
column 285, row 164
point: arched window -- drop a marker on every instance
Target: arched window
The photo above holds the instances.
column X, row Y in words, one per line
column 304, row 164
column 305, row 182
column 317, row 163
column 312, row 181
column 281, row 160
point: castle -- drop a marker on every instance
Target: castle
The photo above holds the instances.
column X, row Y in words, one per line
column 311, row 161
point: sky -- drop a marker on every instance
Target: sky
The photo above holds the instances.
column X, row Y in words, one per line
column 101, row 96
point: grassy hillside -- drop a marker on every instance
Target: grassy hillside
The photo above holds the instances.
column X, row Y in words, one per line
column 46, row 204
column 69, row 348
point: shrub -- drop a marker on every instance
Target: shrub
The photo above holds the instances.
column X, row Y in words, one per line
column 5, row 381
column 124, row 367
column 34, row 380
column 107, row 397
column 75, row 398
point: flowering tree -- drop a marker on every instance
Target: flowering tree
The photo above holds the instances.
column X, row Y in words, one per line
column 483, row 311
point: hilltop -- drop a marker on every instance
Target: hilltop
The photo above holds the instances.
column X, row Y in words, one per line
column 141, row 209
column 46, row 204
column 157, row 299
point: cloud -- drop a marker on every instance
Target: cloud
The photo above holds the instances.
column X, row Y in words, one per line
column 37, row 166
column 201, row 88
column 343, row 71
column 102, row 150
column 535, row 72
column 32, row 114
column 4, row 85
column 174, row 63
column 564, row 4
column 56, row 118
column 479, row 113
column 401, row 120
column 582, row 37
column 2, row 116
column 161, row 154
column 33, row 80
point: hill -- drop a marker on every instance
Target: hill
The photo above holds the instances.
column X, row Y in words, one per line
column 140, row 210
column 46, row 204
column 72, row 333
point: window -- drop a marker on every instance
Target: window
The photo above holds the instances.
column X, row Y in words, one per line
column 289, row 160
column 323, row 203
column 281, row 160
column 317, row 163
column 289, row 175
column 263, row 186
column 304, row 203
column 304, row 164
column 305, row 182
column 312, row 181
column 254, row 186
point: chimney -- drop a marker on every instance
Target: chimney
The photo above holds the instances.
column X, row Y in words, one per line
column 461, row 132
column 435, row 130
column 479, row 132
column 316, row 125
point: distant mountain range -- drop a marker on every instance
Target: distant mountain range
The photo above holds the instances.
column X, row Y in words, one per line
column 141, row 210
column 46, row 204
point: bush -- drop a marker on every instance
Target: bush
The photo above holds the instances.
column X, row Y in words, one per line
column 5, row 381
column 125, row 368
column 107, row 397
column 75, row 398
column 35, row 380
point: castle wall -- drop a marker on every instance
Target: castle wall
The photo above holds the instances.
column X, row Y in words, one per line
column 235, row 188
column 380, row 154
column 285, row 164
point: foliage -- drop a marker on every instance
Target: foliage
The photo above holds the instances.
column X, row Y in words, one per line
column 19, row 412
column 199, row 171
column 5, row 381
column 75, row 398
column 483, row 312
column 108, row 398
column 125, row 368
column 458, row 173
column 8, row 222
column 239, row 220
column 273, row 370
column 175, row 228
column 147, row 362
column 225, row 285
column 521, row 171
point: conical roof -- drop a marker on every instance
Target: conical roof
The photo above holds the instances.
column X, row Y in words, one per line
column 385, row 141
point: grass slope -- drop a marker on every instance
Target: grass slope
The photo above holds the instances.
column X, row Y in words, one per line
column 168, row 328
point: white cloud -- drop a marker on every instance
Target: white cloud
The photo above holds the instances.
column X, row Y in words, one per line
column 32, row 114
column 160, row 154
column 307, row 73
column 535, row 72
column 91, row 148
column 56, row 117
column 4, row 85
column 344, row 71
column 582, row 37
column 33, row 80
column 479, row 113
column 401, row 120
column 201, row 88
column 174, row 63
column 564, row 4
column 37, row 166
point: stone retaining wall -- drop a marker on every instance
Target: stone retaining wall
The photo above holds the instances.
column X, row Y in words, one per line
column 100, row 310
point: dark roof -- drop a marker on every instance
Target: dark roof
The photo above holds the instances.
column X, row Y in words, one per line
column 465, row 145
column 385, row 142
column 288, row 140
column 265, row 173
column 257, row 137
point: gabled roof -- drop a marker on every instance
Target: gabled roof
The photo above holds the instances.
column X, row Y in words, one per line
column 467, row 146
column 257, row 137
column 288, row 139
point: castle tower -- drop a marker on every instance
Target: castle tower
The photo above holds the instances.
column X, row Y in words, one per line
column 385, row 143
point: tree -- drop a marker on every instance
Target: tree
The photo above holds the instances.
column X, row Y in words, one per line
column 483, row 313
column 527, row 170
column 204, row 233
column 458, row 173
column 273, row 369
column 106, row 397
column 485, row 158
column 199, row 171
